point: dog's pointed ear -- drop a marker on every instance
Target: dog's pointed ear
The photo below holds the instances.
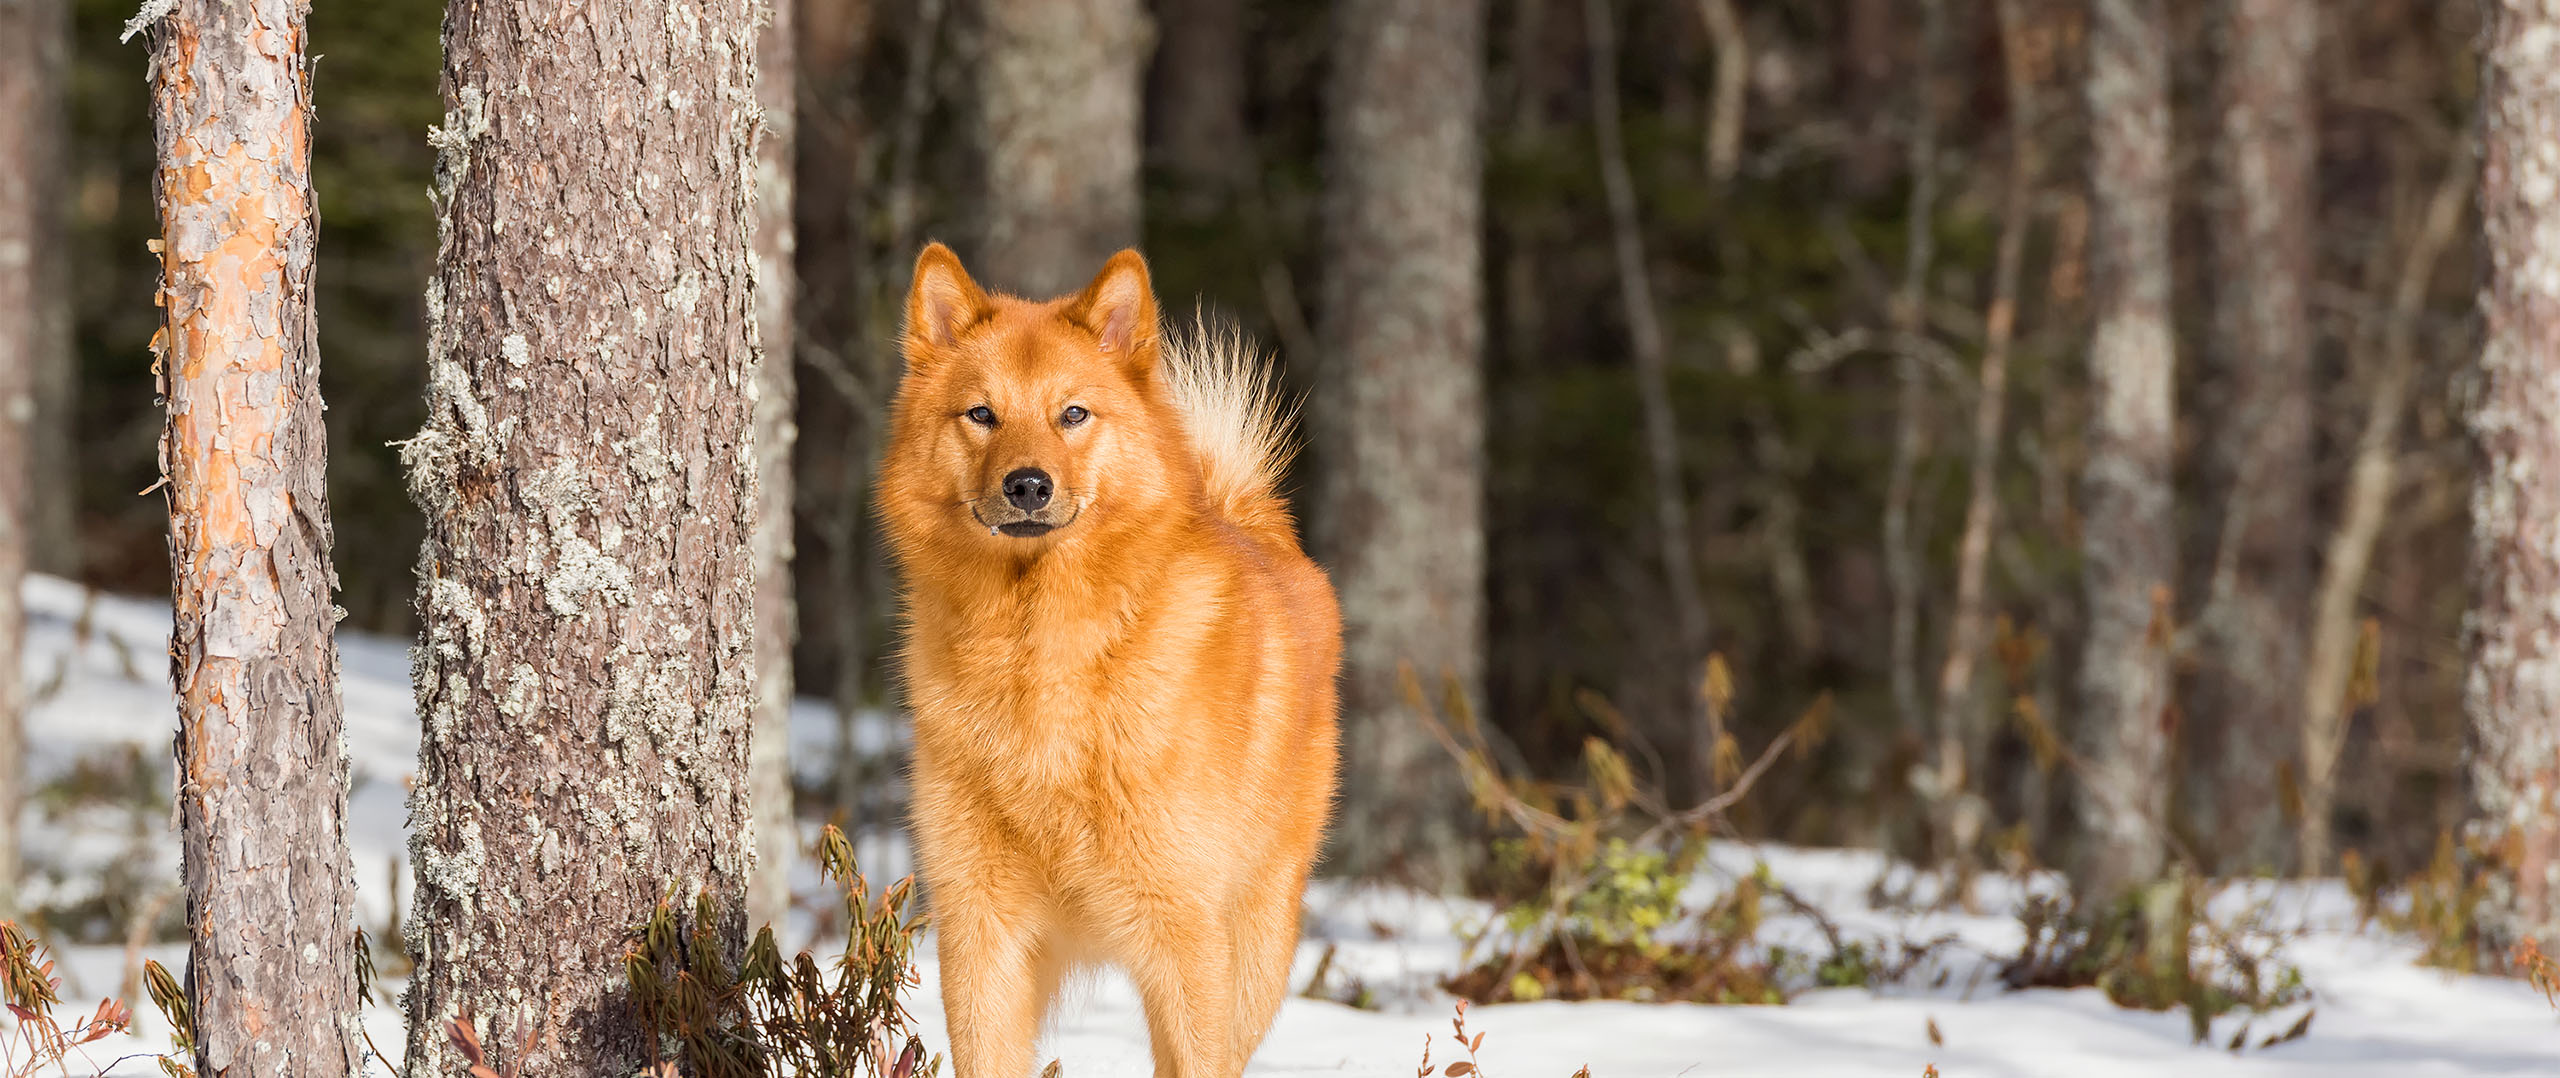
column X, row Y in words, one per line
column 1119, row 309
column 941, row 304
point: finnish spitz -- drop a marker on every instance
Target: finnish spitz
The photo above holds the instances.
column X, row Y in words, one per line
column 1120, row 662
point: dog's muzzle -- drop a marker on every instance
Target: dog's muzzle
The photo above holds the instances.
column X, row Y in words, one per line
column 1000, row 516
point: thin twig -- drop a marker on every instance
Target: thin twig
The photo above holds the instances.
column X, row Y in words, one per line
column 1957, row 736
column 1733, row 81
column 1901, row 558
column 2371, row 481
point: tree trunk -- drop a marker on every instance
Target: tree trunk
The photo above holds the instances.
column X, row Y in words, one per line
column 31, row 343
column 777, row 398
column 262, row 766
column 1058, row 117
column 588, row 476
column 1653, row 393
column 2130, row 545
column 2513, row 690
column 1196, row 100
column 1398, row 413
column 35, row 315
column 2243, row 706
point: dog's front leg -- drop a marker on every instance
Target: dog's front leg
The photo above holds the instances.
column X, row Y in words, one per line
column 1186, row 982
column 996, row 980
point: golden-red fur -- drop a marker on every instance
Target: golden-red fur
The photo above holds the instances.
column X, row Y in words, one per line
column 1125, row 728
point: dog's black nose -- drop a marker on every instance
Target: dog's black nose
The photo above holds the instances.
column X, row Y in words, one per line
column 1027, row 489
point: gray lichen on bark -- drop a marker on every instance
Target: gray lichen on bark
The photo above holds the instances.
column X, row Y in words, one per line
column 588, row 476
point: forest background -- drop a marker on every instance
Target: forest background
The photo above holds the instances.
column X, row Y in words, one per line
column 1739, row 278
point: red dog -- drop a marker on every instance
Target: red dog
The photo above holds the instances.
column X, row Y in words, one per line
column 1121, row 665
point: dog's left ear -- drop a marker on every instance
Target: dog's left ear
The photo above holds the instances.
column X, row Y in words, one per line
column 1119, row 309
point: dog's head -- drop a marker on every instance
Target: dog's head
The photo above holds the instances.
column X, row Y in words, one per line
column 1019, row 424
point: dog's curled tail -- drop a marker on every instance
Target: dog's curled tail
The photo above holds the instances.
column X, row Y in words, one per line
column 1231, row 407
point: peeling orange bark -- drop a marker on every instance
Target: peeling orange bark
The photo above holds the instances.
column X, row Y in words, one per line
column 263, row 772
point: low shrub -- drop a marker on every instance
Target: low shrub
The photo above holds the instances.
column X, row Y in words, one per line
column 2155, row 950
column 1592, row 883
column 772, row 1016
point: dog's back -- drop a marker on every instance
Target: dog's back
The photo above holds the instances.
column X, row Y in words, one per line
column 1120, row 661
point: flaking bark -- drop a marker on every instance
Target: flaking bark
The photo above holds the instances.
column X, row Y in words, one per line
column 2120, row 796
column 261, row 754
column 1397, row 415
column 588, row 476
column 2512, row 637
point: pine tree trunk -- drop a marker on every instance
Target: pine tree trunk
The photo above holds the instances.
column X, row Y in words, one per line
column 588, row 476
column 1058, row 117
column 30, row 342
column 35, row 316
column 2513, row 688
column 1196, row 100
column 2130, row 546
column 777, row 398
column 262, row 767
column 2244, row 713
column 1397, row 415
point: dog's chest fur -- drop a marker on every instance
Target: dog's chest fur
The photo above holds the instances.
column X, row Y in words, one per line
column 1030, row 707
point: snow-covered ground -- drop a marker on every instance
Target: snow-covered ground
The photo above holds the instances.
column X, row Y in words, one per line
column 100, row 665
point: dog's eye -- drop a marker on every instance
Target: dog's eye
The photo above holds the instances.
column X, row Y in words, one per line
column 982, row 416
column 1075, row 414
